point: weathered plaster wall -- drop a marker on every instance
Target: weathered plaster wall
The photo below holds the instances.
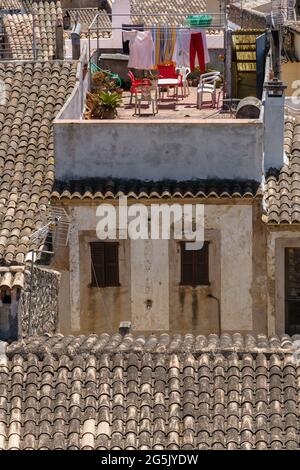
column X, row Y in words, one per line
column 290, row 73
column 259, row 281
column 190, row 307
column 171, row 149
column 44, row 287
column 102, row 309
column 152, row 272
column 150, row 284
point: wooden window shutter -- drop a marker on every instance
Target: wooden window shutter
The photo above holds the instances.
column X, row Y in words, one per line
column 111, row 255
column 104, row 264
column 202, row 265
column 97, row 264
column 195, row 265
column 187, row 266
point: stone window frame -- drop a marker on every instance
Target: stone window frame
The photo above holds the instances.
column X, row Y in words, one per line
column 213, row 236
column 87, row 236
column 280, row 245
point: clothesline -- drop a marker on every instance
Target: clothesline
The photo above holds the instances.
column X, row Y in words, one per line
column 148, row 49
column 175, row 28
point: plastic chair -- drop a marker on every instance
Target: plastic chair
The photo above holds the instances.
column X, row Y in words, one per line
column 208, row 84
column 146, row 93
column 136, row 84
column 184, row 72
column 169, row 72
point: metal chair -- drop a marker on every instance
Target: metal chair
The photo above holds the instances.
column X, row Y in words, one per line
column 208, row 84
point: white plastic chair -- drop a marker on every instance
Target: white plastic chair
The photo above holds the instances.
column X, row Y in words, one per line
column 208, row 84
column 184, row 72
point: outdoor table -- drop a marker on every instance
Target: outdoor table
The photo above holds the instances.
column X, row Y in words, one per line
column 167, row 83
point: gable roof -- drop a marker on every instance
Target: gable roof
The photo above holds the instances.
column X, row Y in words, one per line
column 38, row 26
column 166, row 392
column 282, row 191
column 33, row 95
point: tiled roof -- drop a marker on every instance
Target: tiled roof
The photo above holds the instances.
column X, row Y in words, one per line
column 149, row 393
column 12, row 278
column 19, row 30
column 103, row 188
column 282, row 192
column 85, row 18
column 58, row 345
column 165, row 9
column 35, row 92
column 11, row 4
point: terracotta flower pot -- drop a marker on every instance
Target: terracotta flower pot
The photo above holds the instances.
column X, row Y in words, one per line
column 109, row 113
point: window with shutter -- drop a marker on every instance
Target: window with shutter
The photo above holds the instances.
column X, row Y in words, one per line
column 104, row 264
column 195, row 266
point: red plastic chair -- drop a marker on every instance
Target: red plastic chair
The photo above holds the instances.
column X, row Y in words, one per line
column 169, row 71
column 136, row 84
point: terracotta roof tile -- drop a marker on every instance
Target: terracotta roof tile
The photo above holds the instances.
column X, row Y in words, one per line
column 156, row 392
column 282, row 190
column 37, row 25
column 26, row 149
column 102, row 188
column 165, row 9
column 11, row 4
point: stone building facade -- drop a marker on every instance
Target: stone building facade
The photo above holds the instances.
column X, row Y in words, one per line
column 150, row 294
column 38, row 304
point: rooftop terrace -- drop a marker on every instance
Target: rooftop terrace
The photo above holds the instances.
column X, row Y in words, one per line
column 171, row 108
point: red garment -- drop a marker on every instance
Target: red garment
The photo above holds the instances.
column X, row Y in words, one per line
column 196, row 47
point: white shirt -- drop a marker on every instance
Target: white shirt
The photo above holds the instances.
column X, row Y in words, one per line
column 140, row 49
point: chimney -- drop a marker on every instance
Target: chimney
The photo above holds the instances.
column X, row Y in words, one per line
column 59, row 53
column 273, row 124
column 75, row 38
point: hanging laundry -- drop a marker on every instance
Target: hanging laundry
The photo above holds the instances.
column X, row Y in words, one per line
column 191, row 42
column 196, row 48
column 181, row 55
column 141, row 49
column 130, row 27
column 170, row 40
column 204, row 42
column 164, row 39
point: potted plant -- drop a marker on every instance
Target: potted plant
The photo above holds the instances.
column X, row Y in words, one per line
column 103, row 104
column 103, row 82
